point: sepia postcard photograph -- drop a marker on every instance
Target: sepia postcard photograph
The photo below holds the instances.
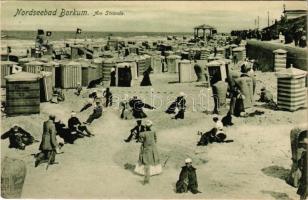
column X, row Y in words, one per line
column 154, row 100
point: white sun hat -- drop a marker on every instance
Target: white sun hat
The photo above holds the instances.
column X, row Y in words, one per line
column 188, row 160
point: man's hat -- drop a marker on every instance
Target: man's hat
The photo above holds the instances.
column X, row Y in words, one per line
column 188, row 160
column 73, row 113
column 263, row 88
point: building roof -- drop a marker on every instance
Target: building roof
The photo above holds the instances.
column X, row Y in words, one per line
column 280, row 51
column 204, row 26
column 291, row 73
column 22, row 76
column 34, row 62
column 8, row 62
column 295, row 11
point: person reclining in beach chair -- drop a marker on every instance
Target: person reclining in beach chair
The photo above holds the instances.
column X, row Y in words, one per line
column 57, row 95
column 78, row 89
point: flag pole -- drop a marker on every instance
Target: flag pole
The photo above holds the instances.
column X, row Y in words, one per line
column 75, row 37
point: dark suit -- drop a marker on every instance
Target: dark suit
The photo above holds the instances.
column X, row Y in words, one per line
column 108, row 96
column 49, row 141
column 75, row 125
column 48, row 144
column 135, row 132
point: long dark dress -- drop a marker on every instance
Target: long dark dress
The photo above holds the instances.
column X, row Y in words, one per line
column 146, row 79
column 137, row 106
column 171, row 108
column 113, row 78
column 239, row 106
column 181, row 104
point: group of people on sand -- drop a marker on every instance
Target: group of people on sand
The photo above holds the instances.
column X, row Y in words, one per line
column 56, row 133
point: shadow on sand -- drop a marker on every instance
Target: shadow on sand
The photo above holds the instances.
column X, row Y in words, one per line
column 173, row 82
column 130, row 167
column 277, row 195
column 276, row 172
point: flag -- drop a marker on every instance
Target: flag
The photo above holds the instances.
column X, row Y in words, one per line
column 9, row 50
column 48, row 33
column 78, row 31
column 40, row 32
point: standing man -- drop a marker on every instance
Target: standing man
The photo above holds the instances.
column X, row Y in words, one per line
column 108, row 95
column 97, row 113
column 135, row 132
column 112, row 77
column 49, row 143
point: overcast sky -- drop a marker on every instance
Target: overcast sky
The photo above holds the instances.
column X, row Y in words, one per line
column 161, row 16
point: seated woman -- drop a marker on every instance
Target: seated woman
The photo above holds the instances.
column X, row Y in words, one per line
column 216, row 134
column 18, row 137
column 187, row 179
column 137, row 106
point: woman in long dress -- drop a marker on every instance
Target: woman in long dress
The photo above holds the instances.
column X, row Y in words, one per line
column 149, row 162
column 146, row 81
